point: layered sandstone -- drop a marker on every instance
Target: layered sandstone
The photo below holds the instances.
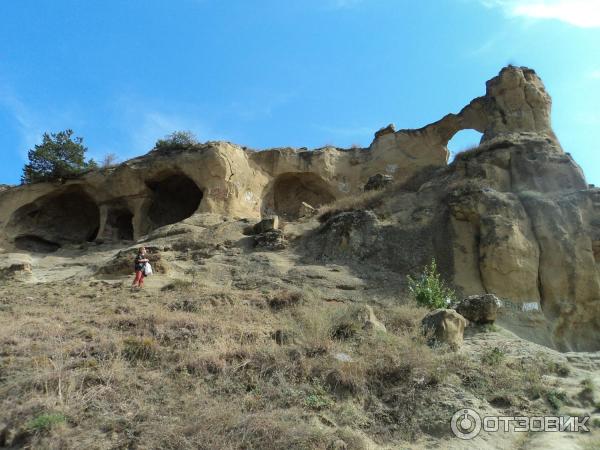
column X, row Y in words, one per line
column 513, row 217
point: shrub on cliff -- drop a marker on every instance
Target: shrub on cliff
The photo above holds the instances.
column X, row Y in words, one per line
column 178, row 140
column 429, row 289
column 58, row 157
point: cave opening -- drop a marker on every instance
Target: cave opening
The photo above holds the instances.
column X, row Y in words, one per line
column 119, row 224
column 35, row 244
column 174, row 198
column 292, row 189
column 69, row 216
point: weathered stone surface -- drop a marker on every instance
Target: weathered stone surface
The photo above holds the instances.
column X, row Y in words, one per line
column 369, row 321
column 391, row 128
column 348, row 234
column 269, row 224
column 378, row 182
column 271, row 240
column 306, row 210
column 514, row 216
column 479, row 309
column 446, row 327
column 15, row 266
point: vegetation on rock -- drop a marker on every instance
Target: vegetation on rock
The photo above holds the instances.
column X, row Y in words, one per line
column 178, row 140
column 58, row 157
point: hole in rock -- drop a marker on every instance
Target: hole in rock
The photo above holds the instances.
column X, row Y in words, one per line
column 35, row 244
column 290, row 190
column 463, row 141
column 119, row 225
column 69, row 216
column 174, row 198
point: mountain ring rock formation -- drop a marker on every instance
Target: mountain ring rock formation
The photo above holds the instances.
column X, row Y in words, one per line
column 514, row 217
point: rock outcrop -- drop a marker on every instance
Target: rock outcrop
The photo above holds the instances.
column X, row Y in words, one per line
column 479, row 309
column 513, row 217
column 445, row 326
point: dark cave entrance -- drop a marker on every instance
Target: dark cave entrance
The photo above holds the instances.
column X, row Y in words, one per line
column 291, row 189
column 119, row 224
column 174, row 198
column 70, row 216
column 35, row 244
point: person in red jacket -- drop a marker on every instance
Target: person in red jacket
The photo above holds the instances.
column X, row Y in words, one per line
column 140, row 264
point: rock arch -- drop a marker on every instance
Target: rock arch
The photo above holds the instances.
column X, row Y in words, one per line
column 70, row 215
column 462, row 140
column 174, row 197
column 290, row 190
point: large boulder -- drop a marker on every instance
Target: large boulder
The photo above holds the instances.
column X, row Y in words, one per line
column 348, row 234
column 479, row 309
column 265, row 225
column 446, row 327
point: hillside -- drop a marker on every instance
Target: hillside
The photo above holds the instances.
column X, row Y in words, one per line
column 304, row 334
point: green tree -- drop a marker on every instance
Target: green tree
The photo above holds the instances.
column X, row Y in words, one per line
column 58, row 157
column 429, row 290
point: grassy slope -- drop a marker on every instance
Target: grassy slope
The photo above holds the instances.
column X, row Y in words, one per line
column 93, row 365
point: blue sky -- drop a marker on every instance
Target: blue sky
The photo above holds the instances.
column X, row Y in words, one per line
column 266, row 73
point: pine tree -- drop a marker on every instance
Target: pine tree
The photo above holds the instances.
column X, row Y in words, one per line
column 58, row 157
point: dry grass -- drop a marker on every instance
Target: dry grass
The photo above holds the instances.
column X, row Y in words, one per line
column 100, row 367
column 365, row 200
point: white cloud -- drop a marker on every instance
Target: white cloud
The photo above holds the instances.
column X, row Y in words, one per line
column 579, row 13
column 594, row 74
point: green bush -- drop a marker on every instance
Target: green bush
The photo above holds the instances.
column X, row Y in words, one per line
column 58, row 157
column 178, row 140
column 140, row 349
column 556, row 398
column 429, row 290
column 45, row 421
column 493, row 357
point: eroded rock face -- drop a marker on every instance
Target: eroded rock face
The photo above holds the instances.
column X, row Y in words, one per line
column 378, row 182
column 513, row 217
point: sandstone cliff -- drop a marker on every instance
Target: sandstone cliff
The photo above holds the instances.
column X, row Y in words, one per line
column 514, row 217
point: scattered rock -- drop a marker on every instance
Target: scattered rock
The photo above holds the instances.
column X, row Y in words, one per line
column 15, row 266
column 306, row 210
column 343, row 357
column 265, row 225
column 271, row 240
column 479, row 309
column 369, row 322
column 378, row 182
column 446, row 326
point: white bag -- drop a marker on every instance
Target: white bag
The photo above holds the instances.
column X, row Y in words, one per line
column 147, row 269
